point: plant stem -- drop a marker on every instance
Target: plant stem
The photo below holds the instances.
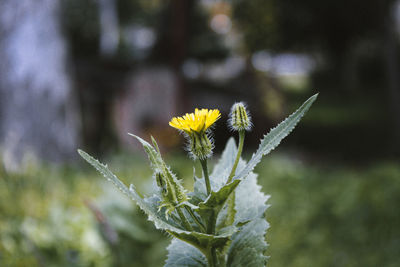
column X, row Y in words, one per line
column 212, row 253
column 206, row 177
column 231, row 199
column 211, row 223
column 239, row 153
column 212, row 257
column 185, row 222
column 198, row 222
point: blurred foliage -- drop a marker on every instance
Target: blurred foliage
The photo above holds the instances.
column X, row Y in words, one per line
column 330, row 25
column 347, row 44
column 69, row 217
column 332, row 215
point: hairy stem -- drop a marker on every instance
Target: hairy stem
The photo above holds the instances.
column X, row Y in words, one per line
column 195, row 218
column 239, row 153
column 185, row 222
column 205, row 173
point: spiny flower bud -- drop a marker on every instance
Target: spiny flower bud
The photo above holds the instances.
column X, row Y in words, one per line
column 200, row 146
column 196, row 127
column 239, row 118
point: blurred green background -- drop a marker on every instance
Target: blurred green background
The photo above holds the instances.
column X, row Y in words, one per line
column 83, row 73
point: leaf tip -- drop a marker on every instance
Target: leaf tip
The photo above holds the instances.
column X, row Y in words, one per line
column 141, row 140
column 131, row 134
column 81, row 152
column 314, row 97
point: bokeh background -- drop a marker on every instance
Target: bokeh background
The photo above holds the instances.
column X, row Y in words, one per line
column 83, row 73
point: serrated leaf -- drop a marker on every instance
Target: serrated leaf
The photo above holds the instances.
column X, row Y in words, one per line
column 199, row 240
column 275, row 136
column 103, row 169
column 250, row 202
column 224, row 166
column 150, row 207
column 181, row 254
column 199, row 193
column 248, row 245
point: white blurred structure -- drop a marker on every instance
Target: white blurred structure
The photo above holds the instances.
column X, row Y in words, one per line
column 37, row 112
column 109, row 29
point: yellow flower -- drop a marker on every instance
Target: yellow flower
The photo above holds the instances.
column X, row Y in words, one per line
column 197, row 122
column 195, row 125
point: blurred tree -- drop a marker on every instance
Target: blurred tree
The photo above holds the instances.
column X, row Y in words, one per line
column 153, row 36
column 328, row 27
column 354, row 43
column 37, row 108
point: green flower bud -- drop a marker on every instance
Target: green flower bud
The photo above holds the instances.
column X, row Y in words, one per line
column 172, row 191
column 161, row 183
column 200, row 145
column 239, row 118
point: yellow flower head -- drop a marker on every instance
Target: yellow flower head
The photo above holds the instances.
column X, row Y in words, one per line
column 197, row 122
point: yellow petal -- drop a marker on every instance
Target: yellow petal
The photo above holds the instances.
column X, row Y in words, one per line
column 199, row 121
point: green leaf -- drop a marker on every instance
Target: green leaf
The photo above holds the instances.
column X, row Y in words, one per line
column 150, row 207
column 199, row 240
column 103, row 169
column 250, row 202
column 181, row 254
column 248, row 245
column 216, row 200
column 275, row 136
column 224, row 166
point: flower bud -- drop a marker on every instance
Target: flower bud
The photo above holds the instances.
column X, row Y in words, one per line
column 161, row 183
column 172, row 191
column 239, row 118
column 200, row 145
column 197, row 127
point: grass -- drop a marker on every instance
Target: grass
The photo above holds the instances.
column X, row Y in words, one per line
column 320, row 215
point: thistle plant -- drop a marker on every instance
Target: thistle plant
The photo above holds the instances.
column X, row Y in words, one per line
column 222, row 221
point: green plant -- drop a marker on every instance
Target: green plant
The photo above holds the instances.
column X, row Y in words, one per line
column 221, row 222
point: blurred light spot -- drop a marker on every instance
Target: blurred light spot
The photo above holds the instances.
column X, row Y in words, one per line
column 192, row 68
column 283, row 64
column 293, row 64
column 228, row 69
column 208, row 2
column 396, row 11
column 262, row 61
column 140, row 37
column 273, row 104
column 234, row 65
column 221, row 24
column 109, row 35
